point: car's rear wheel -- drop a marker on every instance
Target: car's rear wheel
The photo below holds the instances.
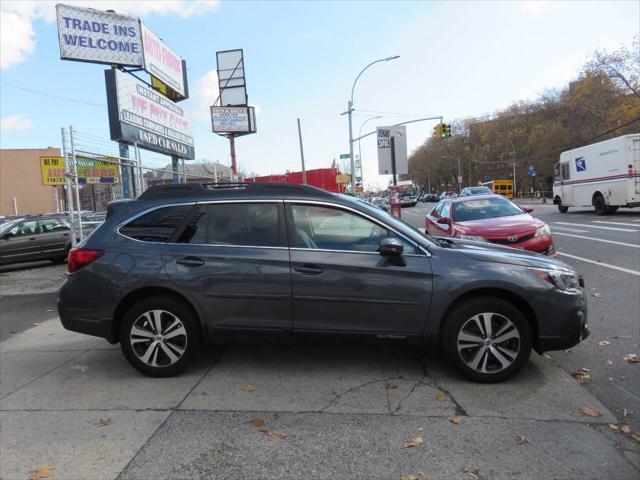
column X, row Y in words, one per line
column 160, row 336
column 600, row 205
column 562, row 208
column 487, row 339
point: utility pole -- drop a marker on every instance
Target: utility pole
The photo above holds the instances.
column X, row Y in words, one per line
column 304, row 171
column 232, row 146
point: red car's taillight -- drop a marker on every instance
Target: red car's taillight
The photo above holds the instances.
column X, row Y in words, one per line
column 81, row 257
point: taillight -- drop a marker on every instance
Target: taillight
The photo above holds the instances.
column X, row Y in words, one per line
column 81, row 257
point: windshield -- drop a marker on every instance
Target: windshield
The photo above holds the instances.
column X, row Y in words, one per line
column 477, row 190
column 484, row 208
column 6, row 226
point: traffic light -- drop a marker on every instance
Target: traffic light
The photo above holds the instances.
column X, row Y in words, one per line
column 437, row 130
column 446, row 130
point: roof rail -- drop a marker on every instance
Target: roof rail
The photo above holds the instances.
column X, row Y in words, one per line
column 203, row 189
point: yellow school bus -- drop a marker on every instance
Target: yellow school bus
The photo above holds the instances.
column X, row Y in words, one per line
column 503, row 187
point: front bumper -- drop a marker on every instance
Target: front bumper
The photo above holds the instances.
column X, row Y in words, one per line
column 562, row 320
column 542, row 245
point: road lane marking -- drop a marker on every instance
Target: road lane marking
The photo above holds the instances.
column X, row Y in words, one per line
column 597, row 226
column 588, row 260
column 616, row 223
column 574, row 230
column 597, row 239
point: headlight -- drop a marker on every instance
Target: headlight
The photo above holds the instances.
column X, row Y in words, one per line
column 543, row 231
column 473, row 237
column 561, row 279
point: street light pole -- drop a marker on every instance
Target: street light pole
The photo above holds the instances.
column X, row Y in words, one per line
column 349, row 113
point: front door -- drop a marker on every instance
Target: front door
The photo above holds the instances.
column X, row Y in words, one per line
column 233, row 259
column 21, row 243
column 55, row 236
column 340, row 282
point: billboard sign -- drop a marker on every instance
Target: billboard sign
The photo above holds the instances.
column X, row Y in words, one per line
column 138, row 114
column 231, row 80
column 233, row 119
column 162, row 63
column 89, row 35
column 399, row 134
column 91, row 171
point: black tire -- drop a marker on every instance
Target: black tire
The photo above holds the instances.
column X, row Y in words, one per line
column 599, row 205
column 612, row 210
column 461, row 317
column 562, row 208
column 191, row 340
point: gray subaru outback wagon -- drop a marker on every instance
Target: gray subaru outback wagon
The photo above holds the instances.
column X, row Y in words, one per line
column 183, row 264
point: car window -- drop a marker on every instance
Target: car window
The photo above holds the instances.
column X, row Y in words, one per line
column 53, row 225
column 484, row 208
column 24, row 229
column 446, row 208
column 329, row 228
column 157, row 225
column 241, row 224
column 436, row 210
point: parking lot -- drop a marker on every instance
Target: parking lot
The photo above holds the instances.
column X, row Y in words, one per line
column 71, row 403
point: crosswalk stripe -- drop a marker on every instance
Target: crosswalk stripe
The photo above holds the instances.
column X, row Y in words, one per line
column 597, row 226
column 607, row 265
column 597, row 239
column 567, row 229
column 615, row 223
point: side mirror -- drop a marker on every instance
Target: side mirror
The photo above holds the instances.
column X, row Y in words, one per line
column 443, row 221
column 390, row 247
column 527, row 209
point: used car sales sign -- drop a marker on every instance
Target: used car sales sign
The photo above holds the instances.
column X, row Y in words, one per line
column 95, row 36
column 139, row 115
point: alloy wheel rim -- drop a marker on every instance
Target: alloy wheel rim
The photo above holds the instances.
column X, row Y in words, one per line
column 488, row 342
column 158, row 338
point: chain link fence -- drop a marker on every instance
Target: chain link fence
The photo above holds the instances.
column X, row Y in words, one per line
column 99, row 171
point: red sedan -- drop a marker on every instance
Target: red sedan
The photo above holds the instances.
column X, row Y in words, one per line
column 490, row 218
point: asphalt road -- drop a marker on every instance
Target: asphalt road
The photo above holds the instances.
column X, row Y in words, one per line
column 606, row 250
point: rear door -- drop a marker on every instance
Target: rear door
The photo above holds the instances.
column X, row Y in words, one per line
column 233, row 257
column 54, row 237
column 20, row 243
column 340, row 282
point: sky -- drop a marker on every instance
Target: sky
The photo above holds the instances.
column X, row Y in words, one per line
column 457, row 60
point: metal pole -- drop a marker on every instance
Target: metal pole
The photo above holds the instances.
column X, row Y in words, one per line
column 184, row 172
column 514, row 178
column 138, row 157
column 125, row 172
column 232, row 147
column 459, row 176
column 304, row 171
column 353, row 163
column 175, row 162
column 67, row 176
column 429, row 179
column 77, row 183
column 215, row 172
column 393, row 159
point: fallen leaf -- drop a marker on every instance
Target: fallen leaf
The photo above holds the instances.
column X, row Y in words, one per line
column 414, row 442
column 590, row 412
column 49, row 309
column 604, row 343
column 546, row 355
column 441, row 397
column 625, row 428
column 35, row 324
column 631, row 358
column 391, row 386
column 608, row 363
column 613, row 426
column 597, row 295
column 249, row 388
column 43, row 471
column 103, row 422
column 455, row 420
column 410, row 476
column 256, row 422
column 636, row 436
column 272, row 433
column 471, row 473
column 522, row 440
column 582, row 375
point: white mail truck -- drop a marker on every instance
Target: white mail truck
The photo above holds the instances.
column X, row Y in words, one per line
column 605, row 175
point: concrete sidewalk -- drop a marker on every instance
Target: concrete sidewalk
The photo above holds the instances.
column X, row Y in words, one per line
column 71, row 402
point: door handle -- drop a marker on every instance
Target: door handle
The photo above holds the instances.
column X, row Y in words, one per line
column 309, row 270
column 32, row 238
column 190, row 261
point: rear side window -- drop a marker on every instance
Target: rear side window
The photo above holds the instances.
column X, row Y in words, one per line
column 157, row 225
column 445, row 210
column 235, row 224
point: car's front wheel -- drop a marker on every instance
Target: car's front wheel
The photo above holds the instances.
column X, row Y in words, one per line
column 160, row 336
column 487, row 339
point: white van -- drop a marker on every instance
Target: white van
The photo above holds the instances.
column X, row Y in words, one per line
column 605, row 175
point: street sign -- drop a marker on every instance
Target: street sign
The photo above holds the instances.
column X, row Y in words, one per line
column 344, row 155
column 532, row 171
column 91, row 171
column 89, row 35
column 399, row 134
column 460, row 179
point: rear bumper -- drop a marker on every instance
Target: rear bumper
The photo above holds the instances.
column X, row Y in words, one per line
column 79, row 321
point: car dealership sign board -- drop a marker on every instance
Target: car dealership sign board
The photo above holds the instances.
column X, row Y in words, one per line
column 161, row 62
column 233, row 119
column 139, row 115
column 96, row 36
column 399, row 134
column 91, row 171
